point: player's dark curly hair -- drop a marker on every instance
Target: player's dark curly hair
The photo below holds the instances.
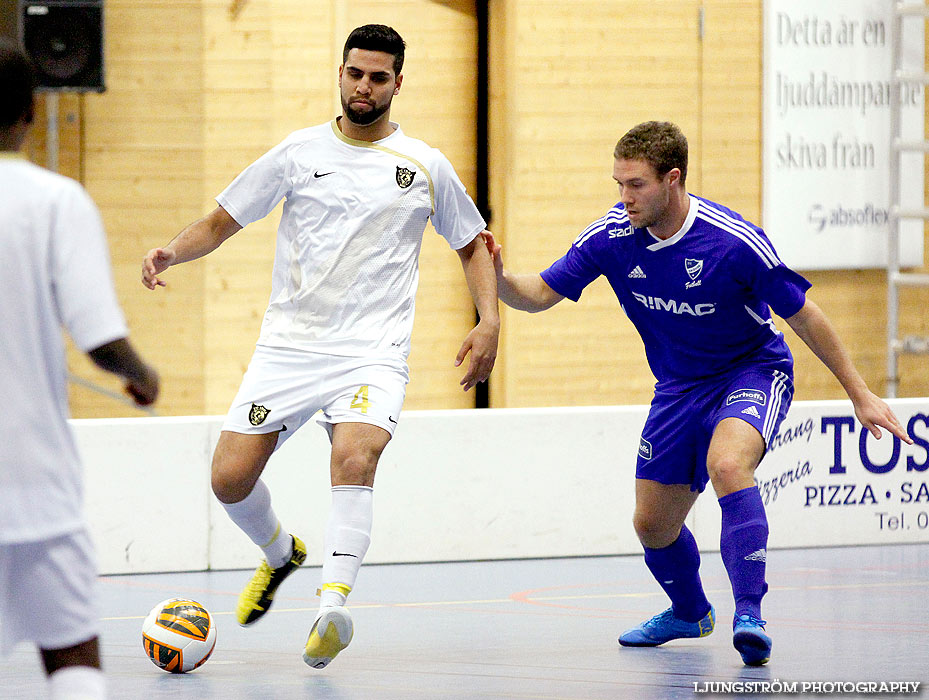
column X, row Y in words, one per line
column 377, row 37
column 17, row 81
column 661, row 144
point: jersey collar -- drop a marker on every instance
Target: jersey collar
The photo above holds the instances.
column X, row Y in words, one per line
column 688, row 222
column 363, row 144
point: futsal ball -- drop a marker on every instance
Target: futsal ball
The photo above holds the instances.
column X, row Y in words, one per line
column 178, row 635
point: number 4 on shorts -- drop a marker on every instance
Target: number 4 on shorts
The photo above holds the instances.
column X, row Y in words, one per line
column 360, row 400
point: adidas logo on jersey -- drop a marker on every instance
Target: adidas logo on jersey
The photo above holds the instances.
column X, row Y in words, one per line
column 751, row 411
column 758, row 555
column 637, row 273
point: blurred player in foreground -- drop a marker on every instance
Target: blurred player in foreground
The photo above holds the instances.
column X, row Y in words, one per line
column 698, row 283
column 336, row 334
column 56, row 272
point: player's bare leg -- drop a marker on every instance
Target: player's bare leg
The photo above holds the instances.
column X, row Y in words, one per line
column 660, row 511
column 356, row 449
column 735, row 451
column 238, row 462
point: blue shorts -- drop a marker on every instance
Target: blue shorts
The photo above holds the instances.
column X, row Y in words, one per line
column 677, row 432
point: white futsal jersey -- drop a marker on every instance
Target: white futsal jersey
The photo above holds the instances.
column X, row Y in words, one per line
column 346, row 264
column 56, row 272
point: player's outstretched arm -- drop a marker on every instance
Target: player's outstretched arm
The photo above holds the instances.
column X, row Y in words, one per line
column 482, row 341
column 196, row 240
column 523, row 292
column 119, row 357
column 815, row 329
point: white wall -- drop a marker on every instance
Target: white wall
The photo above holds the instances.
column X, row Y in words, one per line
column 491, row 484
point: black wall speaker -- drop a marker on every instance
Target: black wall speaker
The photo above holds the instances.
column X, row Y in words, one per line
column 64, row 40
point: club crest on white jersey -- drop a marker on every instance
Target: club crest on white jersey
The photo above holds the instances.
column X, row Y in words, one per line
column 405, row 176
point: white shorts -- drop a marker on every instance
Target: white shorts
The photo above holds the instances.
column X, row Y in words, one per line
column 283, row 388
column 48, row 592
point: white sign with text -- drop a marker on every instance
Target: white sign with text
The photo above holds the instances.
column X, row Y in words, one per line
column 826, row 133
column 826, row 481
column 535, row 482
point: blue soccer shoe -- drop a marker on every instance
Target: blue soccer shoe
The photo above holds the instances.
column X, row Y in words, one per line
column 664, row 627
column 750, row 640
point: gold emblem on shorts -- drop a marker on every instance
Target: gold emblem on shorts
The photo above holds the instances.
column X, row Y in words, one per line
column 405, row 177
column 257, row 415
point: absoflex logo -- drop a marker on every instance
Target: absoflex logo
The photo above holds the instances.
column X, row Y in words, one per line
column 817, row 217
column 840, row 217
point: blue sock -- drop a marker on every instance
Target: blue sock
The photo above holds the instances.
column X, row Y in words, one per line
column 743, row 545
column 677, row 569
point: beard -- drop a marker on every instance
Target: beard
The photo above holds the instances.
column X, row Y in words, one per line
column 646, row 219
column 363, row 118
column 654, row 212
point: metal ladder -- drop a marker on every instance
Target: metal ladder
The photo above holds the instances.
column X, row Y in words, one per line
column 910, row 344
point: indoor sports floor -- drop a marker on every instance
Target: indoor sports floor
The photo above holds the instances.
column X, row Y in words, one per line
column 525, row 629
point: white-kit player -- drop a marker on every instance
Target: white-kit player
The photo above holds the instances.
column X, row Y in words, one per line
column 56, row 273
column 357, row 195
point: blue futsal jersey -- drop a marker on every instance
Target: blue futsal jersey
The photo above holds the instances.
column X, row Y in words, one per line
column 700, row 300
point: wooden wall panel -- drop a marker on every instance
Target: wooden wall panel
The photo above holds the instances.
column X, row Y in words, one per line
column 239, row 125
column 731, row 106
column 142, row 163
column 199, row 89
column 70, row 117
column 569, row 80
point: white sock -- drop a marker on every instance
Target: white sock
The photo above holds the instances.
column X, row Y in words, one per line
column 348, row 534
column 255, row 517
column 77, row 683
